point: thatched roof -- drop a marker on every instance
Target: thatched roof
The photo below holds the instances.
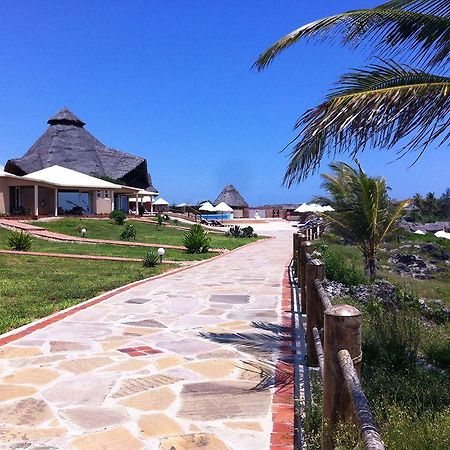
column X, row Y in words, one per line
column 68, row 144
column 231, row 196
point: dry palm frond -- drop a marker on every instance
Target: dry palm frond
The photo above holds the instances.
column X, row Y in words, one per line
column 419, row 28
column 379, row 105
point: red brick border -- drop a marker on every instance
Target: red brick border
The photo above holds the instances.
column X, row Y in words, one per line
column 282, row 437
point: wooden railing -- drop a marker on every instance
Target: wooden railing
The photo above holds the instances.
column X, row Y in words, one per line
column 333, row 337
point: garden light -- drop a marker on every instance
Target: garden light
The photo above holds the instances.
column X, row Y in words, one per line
column 161, row 253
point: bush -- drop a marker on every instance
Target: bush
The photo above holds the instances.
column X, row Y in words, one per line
column 437, row 348
column 234, row 231
column 151, row 259
column 20, row 241
column 248, row 232
column 118, row 216
column 160, row 219
column 338, row 268
column 129, row 232
column 141, row 210
column 196, row 240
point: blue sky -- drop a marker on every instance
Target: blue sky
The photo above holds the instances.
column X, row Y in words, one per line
column 171, row 80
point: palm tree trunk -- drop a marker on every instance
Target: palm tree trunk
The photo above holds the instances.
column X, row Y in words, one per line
column 370, row 266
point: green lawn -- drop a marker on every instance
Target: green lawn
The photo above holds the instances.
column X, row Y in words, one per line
column 41, row 245
column 33, row 287
column 145, row 232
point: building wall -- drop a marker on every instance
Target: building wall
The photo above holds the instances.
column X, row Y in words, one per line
column 46, row 201
column 4, row 196
column 101, row 202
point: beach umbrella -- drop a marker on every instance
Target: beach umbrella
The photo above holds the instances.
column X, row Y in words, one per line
column 161, row 202
column 181, row 205
column 420, row 232
column 442, row 234
column 312, row 207
column 207, row 207
column 223, row 207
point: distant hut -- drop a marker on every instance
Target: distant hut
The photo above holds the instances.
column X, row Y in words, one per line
column 231, row 196
column 68, row 144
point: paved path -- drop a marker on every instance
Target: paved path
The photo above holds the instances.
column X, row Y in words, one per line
column 133, row 372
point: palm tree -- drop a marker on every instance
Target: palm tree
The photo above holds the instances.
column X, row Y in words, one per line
column 363, row 212
column 389, row 101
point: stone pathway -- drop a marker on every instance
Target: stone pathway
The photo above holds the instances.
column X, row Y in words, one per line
column 51, row 235
column 133, row 372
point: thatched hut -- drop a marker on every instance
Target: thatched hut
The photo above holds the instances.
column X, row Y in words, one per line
column 68, row 144
column 231, row 196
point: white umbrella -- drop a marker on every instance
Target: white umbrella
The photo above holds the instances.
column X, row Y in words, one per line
column 181, row 205
column 223, row 207
column 442, row 234
column 160, row 201
column 207, row 207
column 420, row 232
column 312, row 207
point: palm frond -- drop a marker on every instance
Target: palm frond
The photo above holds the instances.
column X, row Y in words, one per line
column 380, row 105
column 418, row 28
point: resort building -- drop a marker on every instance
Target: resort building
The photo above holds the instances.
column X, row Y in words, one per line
column 33, row 183
column 231, row 196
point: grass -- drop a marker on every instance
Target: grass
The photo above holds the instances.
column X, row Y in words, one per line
column 145, row 232
column 42, row 245
column 411, row 403
column 32, row 287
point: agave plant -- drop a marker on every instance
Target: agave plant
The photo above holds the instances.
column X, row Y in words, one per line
column 363, row 212
column 20, row 241
column 151, row 259
column 396, row 99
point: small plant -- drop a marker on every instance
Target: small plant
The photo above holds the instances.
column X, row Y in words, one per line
column 20, row 241
column 128, row 233
column 160, row 219
column 118, row 216
column 234, row 231
column 196, row 240
column 151, row 259
column 248, row 232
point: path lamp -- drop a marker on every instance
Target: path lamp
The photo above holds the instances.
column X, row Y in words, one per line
column 161, row 253
column 83, row 232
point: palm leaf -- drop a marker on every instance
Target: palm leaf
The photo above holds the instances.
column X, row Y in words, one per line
column 418, row 28
column 380, row 105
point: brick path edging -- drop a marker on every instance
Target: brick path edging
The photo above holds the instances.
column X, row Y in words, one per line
column 282, row 437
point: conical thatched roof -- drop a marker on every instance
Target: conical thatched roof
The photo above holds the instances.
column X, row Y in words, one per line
column 231, row 196
column 68, row 144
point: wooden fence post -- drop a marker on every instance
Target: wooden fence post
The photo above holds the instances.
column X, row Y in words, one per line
column 304, row 248
column 342, row 331
column 315, row 270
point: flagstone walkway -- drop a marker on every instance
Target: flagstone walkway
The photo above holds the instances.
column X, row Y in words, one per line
column 133, row 371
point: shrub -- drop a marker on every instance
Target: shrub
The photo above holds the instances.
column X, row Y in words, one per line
column 234, row 231
column 141, row 210
column 20, row 241
column 160, row 219
column 118, row 216
column 339, row 269
column 151, row 259
column 248, row 232
column 437, row 348
column 196, row 240
column 129, row 232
